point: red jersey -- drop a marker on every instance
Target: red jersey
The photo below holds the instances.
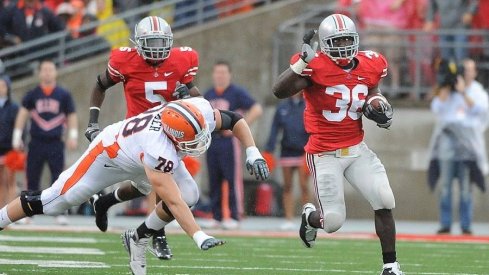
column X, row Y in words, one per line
column 333, row 112
column 146, row 86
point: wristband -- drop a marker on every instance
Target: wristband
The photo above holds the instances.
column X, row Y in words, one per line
column 16, row 138
column 94, row 111
column 253, row 153
column 298, row 66
column 73, row 134
column 199, row 237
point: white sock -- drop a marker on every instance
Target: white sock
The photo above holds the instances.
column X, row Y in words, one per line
column 154, row 222
column 4, row 219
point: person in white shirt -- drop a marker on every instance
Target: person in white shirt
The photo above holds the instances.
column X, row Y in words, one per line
column 144, row 148
column 458, row 147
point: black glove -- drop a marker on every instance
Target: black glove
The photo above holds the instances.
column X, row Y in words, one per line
column 259, row 167
column 383, row 117
column 181, row 91
column 308, row 52
column 210, row 243
column 92, row 131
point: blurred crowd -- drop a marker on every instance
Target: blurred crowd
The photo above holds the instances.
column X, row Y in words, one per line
column 403, row 31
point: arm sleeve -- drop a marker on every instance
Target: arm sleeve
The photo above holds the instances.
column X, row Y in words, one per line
column 114, row 65
column 192, row 68
column 481, row 104
column 69, row 104
column 244, row 99
column 28, row 102
column 437, row 106
column 272, row 138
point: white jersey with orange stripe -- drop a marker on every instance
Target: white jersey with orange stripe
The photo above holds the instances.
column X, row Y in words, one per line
column 141, row 139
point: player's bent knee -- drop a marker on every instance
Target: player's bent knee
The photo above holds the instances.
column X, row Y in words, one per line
column 31, row 202
column 333, row 221
column 191, row 198
column 387, row 198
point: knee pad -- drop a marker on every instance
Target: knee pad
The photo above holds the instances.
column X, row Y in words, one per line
column 31, row 202
column 333, row 221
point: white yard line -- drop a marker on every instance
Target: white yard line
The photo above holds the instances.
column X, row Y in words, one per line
column 45, row 263
column 47, row 239
column 51, row 250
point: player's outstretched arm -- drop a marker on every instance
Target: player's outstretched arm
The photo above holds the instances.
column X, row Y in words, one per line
column 255, row 163
column 166, row 188
column 96, row 99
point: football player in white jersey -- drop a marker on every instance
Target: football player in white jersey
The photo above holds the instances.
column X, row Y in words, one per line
column 146, row 147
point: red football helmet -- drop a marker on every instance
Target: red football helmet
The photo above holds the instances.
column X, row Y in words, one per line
column 185, row 125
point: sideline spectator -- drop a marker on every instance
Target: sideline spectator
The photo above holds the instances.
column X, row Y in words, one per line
column 8, row 111
column 115, row 32
column 288, row 119
column 224, row 154
column 458, row 147
column 455, row 16
column 49, row 107
column 27, row 20
column 383, row 18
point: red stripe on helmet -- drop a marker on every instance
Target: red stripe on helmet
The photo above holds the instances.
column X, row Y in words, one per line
column 154, row 23
column 340, row 22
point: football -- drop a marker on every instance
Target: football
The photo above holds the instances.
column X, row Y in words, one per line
column 374, row 100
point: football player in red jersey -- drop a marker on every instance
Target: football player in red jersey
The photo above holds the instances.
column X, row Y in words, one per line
column 336, row 81
column 152, row 73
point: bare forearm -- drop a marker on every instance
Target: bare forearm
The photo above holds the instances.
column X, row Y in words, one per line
column 184, row 217
column 21, row 118
column 288, row 84
column 243, row 133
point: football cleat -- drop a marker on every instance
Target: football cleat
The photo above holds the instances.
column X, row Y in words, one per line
column 160, row 248
column 306, row 231
column 391, row 269
column 100, row 215
column 136, row 250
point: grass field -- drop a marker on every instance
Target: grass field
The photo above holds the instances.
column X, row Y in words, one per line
column 102, row 253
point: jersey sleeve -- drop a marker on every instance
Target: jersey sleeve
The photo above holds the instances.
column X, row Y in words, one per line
column 244, row 99
column 69, row 105
column 115, row 65
column 193, row 64
column 28, row 101
column 206, row 109
column 307, row 71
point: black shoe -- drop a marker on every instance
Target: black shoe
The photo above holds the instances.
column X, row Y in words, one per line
column 307, row 233
column 466, row 232
column 160, row 248
column 100, row 215
column 443, row 230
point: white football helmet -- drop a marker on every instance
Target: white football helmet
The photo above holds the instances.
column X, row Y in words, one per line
column 185, row 125
column 153, row 38
column 333, row 31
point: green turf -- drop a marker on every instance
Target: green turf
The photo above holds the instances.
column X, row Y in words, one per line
column 249, row 255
